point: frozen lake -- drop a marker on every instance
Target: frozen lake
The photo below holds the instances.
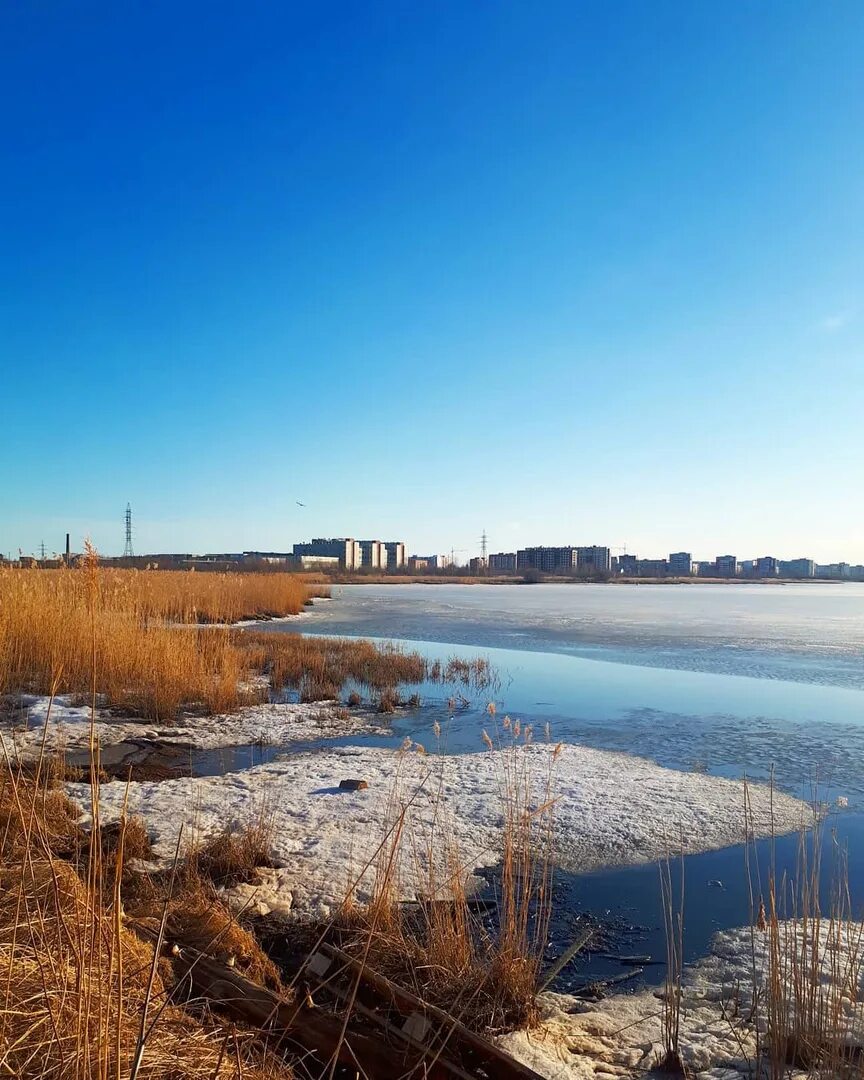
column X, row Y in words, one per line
column 810, row 633
column 728, row 679
column 723, row 679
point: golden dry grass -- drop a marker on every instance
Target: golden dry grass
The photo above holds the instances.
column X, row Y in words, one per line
column 487, row 973
column 134, row 640
column 110, row 632
column 82, row 997
column 234, row 853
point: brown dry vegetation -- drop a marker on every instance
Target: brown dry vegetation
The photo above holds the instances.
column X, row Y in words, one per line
column 486, row 975
column 83, row 996
column 132, row 638
column 110, row 632
column 810, row 998
column 233, row 854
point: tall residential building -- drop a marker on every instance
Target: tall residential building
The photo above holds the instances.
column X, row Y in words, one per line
column 628, row 565
column 503, row 561
column 652, row 567
column 681, row 563
column 346, row 549
column 594, row 558
column 435, row 562
column 549, row 560
column 767, row 566
column 395, row 554
column 797, row 568
column 837, row 571
column 374, row 554
column 727, row 565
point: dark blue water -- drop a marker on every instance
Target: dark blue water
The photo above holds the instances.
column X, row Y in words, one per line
column 626, row 903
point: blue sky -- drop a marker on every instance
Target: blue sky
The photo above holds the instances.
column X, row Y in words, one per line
column 569, row 272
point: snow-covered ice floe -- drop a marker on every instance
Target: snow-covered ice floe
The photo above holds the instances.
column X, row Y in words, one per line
column 68, row 726
column 611, row 809
column 719, row 1031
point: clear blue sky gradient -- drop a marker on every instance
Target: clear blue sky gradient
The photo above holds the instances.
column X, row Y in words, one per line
column 569, row 272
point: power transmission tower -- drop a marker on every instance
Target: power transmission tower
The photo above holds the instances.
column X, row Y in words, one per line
column 42, row 551
column 484, row 544
column 127, row 551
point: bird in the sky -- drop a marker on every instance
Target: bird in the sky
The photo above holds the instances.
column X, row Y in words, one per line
column 299, row 503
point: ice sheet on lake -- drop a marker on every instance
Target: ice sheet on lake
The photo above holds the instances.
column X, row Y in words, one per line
column 811, row 632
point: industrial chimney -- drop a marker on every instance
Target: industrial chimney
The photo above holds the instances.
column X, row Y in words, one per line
column 68, row 552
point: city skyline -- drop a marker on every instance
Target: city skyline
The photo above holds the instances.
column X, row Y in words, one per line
column 459, row 556
column 555, row 272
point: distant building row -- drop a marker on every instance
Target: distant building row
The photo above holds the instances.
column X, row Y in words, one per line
column 552, row 560
column 350, row 554
column 569, row 560
column 681, row 564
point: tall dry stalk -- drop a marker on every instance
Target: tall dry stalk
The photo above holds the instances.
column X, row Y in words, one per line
column 487, row 974
column 673, row 925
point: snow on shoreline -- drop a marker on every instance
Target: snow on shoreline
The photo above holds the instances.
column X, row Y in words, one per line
column 612, row 809
column 275, row 724
column 623, row 1034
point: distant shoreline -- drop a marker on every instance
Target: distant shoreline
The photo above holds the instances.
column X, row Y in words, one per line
column 499, row 579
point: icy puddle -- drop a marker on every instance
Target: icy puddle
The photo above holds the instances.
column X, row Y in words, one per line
column 229, row 759
column 624, row 908
column 143, row 760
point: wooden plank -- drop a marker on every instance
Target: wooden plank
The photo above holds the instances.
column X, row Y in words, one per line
column 314, row 1029
column 503, row 1065
column 320, row 1031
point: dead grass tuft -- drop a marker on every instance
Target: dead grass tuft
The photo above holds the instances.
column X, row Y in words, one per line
column 83, row 996
column 233, row 855
column 131, row 835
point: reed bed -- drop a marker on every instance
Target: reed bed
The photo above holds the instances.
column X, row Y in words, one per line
column 171, row 595
column 811, row 997
column 83, row 996
column 319, row 668
column 135, row 639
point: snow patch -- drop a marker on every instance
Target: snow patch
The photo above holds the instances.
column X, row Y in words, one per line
column 623, row 1034
column 611, row 809
column 276, row 724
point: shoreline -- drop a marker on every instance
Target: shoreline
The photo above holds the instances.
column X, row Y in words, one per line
column 465, row 579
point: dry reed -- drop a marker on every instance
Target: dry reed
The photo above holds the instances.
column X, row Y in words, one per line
column 112, row 630
column 134, row 637
column 485, row 972
column 83, row 997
